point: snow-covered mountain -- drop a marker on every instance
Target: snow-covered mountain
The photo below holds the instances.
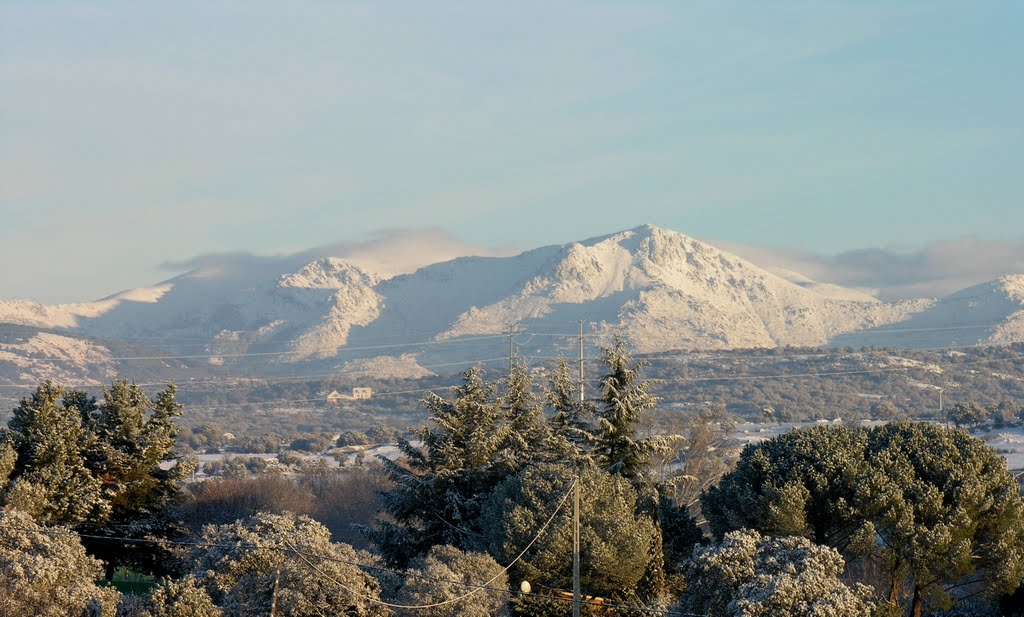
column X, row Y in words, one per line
column 657, row 288
column 989, row 313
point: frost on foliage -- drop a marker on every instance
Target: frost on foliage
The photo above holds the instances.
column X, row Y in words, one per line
column 937, row 505
column 45, row 572
column 624, row 400
column 447, row 573
column 618, row 545
column 49, row 478
column 472, row 443
column 182, row 598
column 240, row 564
column 750, row 575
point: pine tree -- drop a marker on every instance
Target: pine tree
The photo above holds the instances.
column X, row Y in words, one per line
column 620, row 545
column 571, row 419
column 438, row 489
column 937, row 506
column 624, row 398
column 49, row 479
column 530, row 438
column 130, row 453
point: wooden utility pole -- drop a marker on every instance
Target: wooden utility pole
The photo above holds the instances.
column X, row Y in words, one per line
column 277, row 584
column 510, row 352
column 576, row 549
column 581, row 362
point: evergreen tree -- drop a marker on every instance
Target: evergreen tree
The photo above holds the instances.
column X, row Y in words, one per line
column 624, row 398
column 936, row 505
column 530, row 438
column 572, row 418
column 438, row 489
column 620, row 545
column 446, row 573
column 180, row 598
column 243, row 562
column 45, row 572
column 801, row 483
column 135, row 458
column 49, row 479
column 946, row 510
column 750, row 575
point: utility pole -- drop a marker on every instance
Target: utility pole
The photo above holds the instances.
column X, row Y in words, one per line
column 510, row 352
column 941, row 390
column 581, row 362
column 277, row 584
column 576, row 548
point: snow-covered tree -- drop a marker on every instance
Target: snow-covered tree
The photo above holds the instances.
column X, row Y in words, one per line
column 946, row 510
column 439, row 488
column 936, row 505
column 242, row 563
column 8, row 459
column 619, row 546
column 45, row 572
column 49, row 478
column 108, row 469
column 446, row 573
column 132, row 451
column 180, row 598
column 750, row 575
column 624, row 398
column 571, row 419
column 530, row 437
column 800, row 483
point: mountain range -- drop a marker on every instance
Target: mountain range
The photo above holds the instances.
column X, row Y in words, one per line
column 658, row 289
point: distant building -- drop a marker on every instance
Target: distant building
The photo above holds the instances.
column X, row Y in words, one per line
column 336, row 397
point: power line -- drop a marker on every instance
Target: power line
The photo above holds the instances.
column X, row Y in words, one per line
column 331, row 558
column 238, row 381
column 294, row 353
column 836, row 373
column 727, row 378
column 474, row 591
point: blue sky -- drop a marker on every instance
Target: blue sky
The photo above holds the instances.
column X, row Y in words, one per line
column 133, row 134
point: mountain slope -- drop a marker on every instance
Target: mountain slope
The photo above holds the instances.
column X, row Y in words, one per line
column 989, row 313
column 658, row 289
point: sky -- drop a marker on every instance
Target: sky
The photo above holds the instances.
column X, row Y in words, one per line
column 137, row 135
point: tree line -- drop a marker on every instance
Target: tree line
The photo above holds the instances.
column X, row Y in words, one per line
column 904, row 517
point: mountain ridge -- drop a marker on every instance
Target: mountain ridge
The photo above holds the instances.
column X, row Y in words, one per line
column 659, row 289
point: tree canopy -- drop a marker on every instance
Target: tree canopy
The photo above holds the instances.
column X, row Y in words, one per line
column 936, row 505
column 240, row 564
column 620, row 545
column 446, row 574
column 750, row 575
column 109, row 469
column 46, row 571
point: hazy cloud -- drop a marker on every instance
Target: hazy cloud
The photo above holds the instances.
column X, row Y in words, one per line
column 938, row 269
column 389, row 251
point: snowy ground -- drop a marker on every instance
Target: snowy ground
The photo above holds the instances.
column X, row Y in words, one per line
column 350, row 455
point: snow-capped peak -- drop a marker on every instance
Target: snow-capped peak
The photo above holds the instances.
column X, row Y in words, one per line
column 327, row 273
